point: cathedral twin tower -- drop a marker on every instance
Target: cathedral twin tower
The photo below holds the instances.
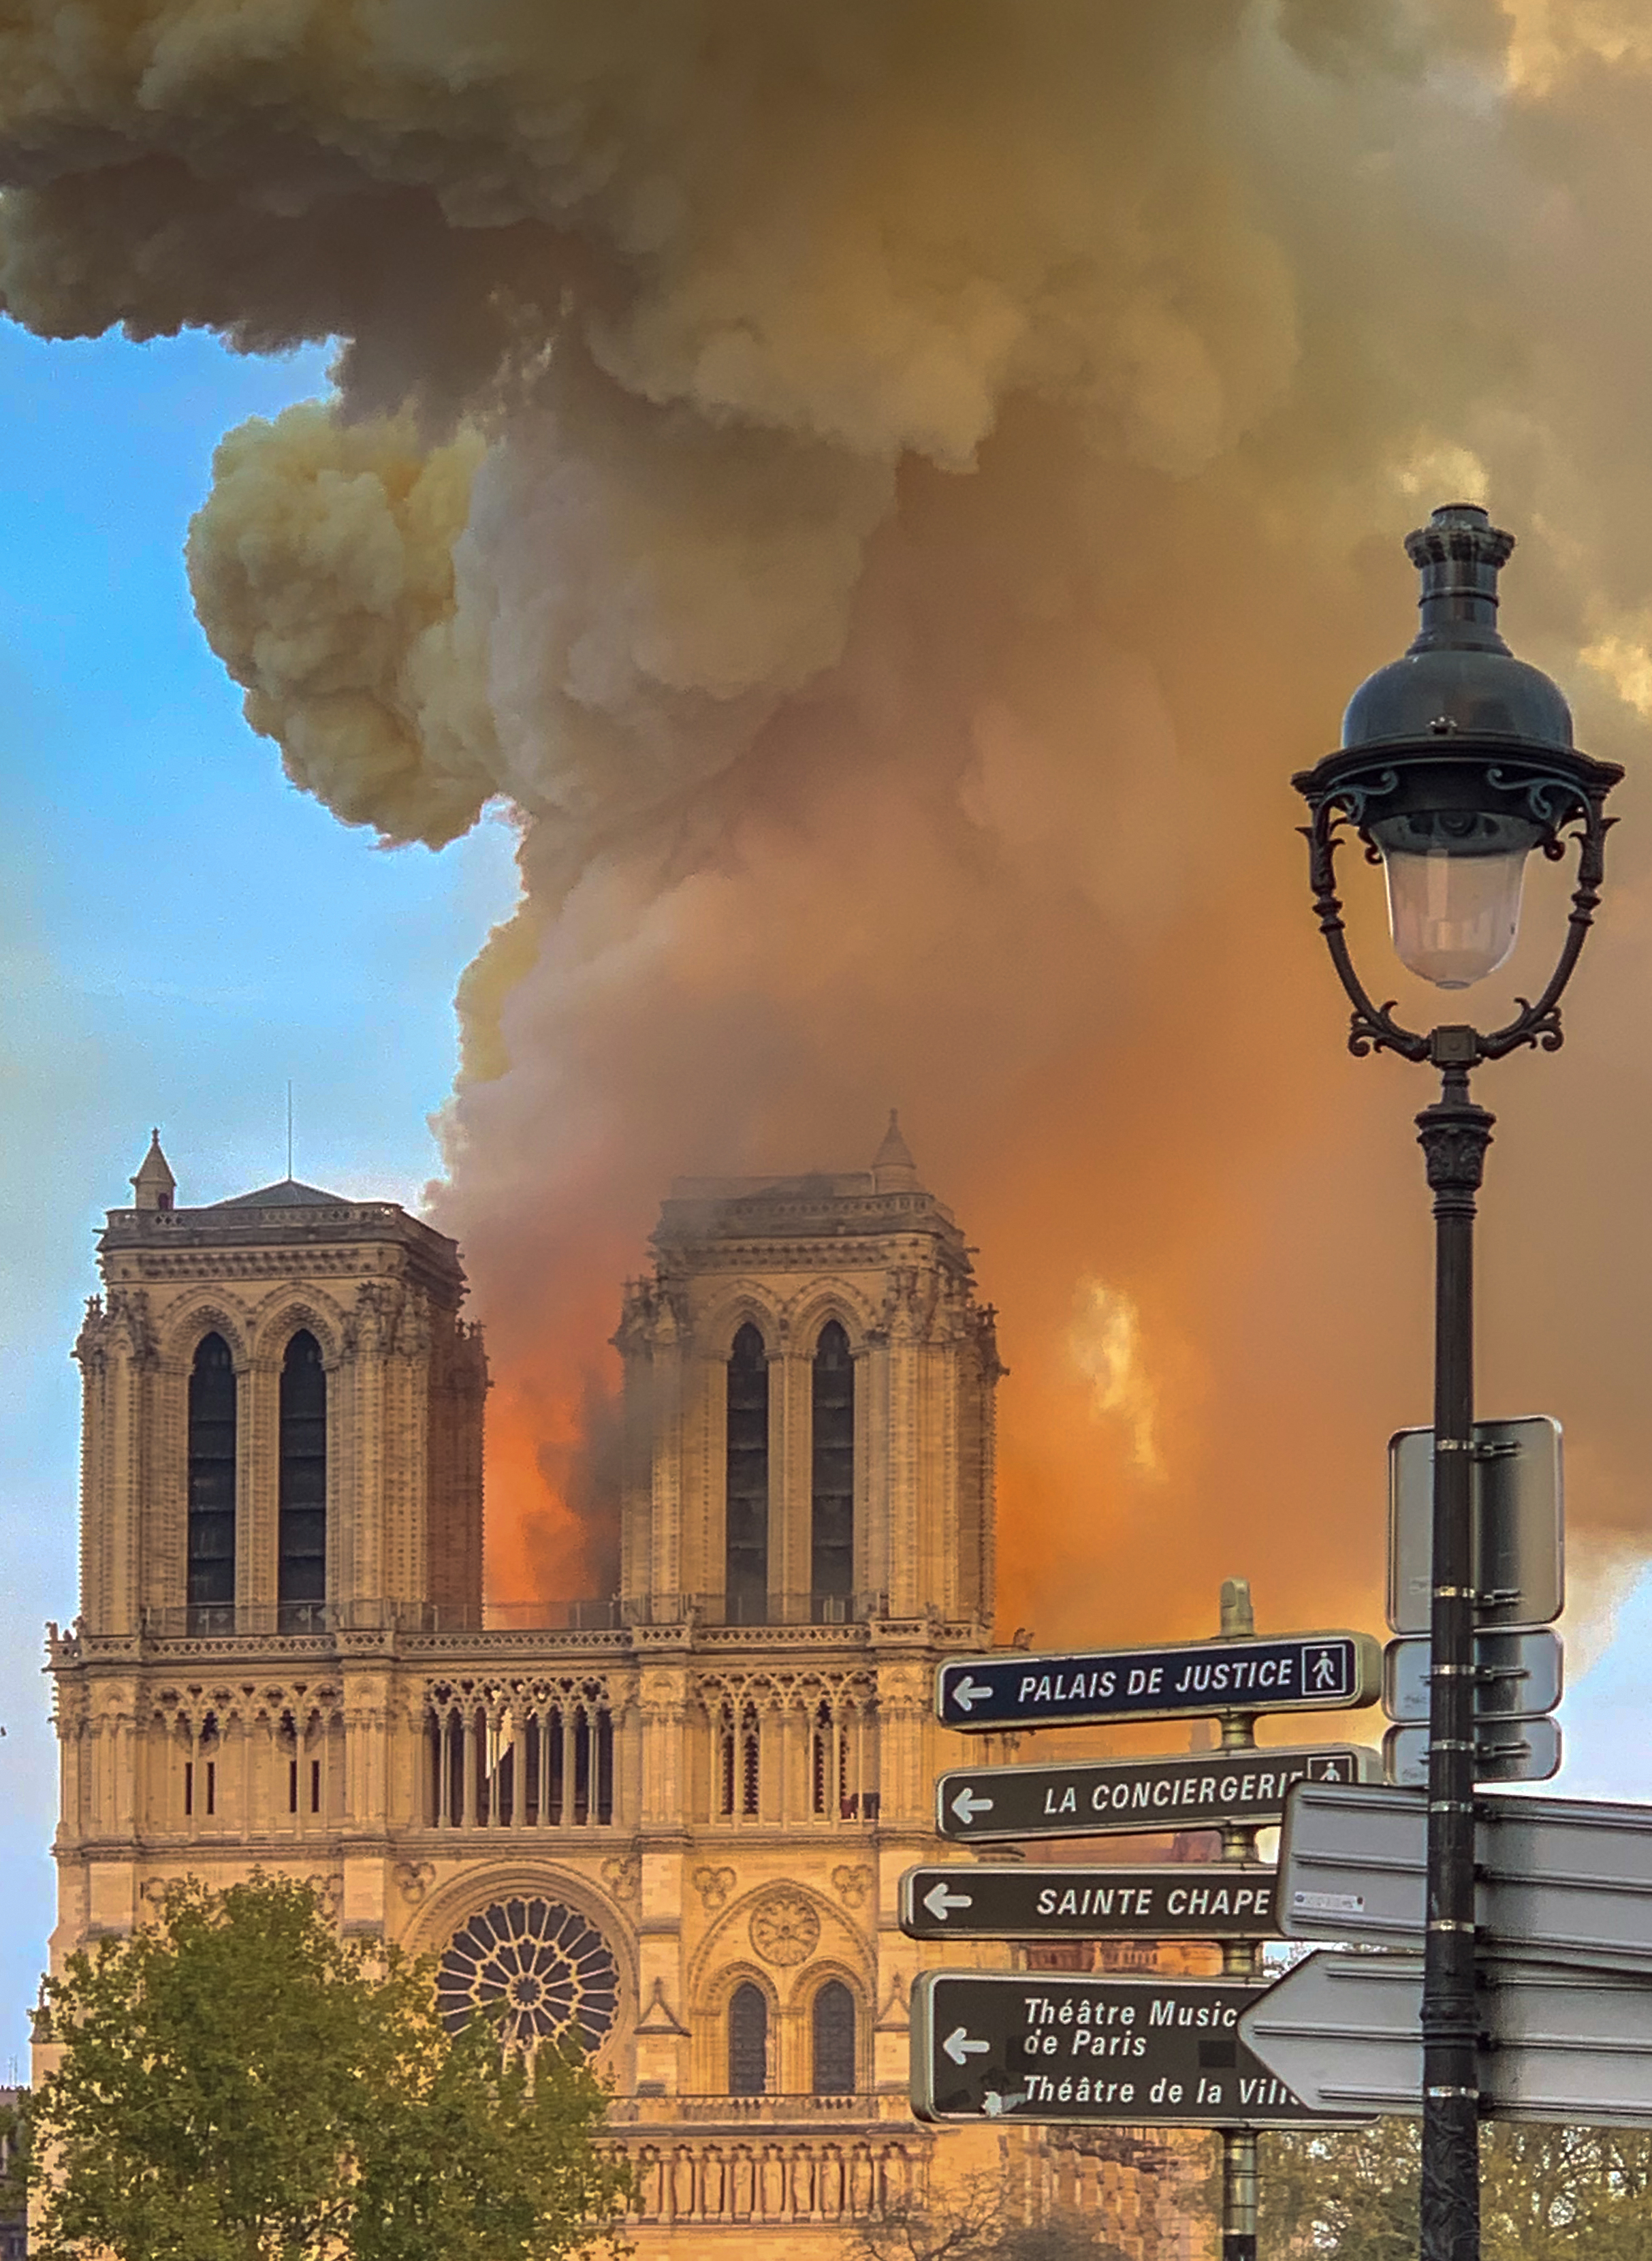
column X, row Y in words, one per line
column 672, row 1818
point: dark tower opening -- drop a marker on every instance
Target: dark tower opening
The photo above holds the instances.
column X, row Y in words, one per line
column 210, row 1589
column 301, row 1577
column 746, row 1570
column 832, row 1552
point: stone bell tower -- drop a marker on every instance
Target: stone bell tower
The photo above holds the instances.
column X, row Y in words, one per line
column 281, row 1468
column 809, row 1382
column 282, row 1413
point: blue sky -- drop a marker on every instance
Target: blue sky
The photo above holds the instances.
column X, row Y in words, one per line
column 180, row 933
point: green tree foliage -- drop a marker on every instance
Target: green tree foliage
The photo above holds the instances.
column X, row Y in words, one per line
column 236, row 2083
column 974, row 2219
column 1546, row 2193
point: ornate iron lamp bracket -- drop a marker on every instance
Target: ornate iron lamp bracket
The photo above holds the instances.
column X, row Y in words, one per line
column 1567, row 811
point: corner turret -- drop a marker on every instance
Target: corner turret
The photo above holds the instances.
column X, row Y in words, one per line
column 893, row 1167
column 154, row 1185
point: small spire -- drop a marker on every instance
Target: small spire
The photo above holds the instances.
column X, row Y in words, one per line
column 154, row 1184
column 893, row 1167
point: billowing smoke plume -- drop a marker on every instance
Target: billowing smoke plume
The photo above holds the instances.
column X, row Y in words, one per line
column 887, row 491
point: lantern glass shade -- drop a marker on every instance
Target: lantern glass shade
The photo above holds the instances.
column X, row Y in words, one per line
column 1455, row 877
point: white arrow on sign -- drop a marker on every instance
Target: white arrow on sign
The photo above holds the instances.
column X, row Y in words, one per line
column 968, row 1804
column 960, row 2047
column 940, row 1900
column 966, row 1693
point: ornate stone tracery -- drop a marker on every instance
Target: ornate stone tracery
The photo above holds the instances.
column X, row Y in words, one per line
column 538, row 1969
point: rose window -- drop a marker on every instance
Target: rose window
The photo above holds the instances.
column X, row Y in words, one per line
column 539, row 1968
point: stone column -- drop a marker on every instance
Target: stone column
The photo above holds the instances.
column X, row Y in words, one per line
column 901, row 1443
column 359, row 1448
column 791, row 1562
column 669, row 1372
column 113, row 1544
column 259, row 1486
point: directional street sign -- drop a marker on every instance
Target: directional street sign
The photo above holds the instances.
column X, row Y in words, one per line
column 1517, row 1676
column 1306, row 1672
column 1504, row 1750
column 1132, row 1797
column 1344, row 2031
column 1565, row 1879
column 1518, row 1568
column 1195, row 1900
column 1143, row 2051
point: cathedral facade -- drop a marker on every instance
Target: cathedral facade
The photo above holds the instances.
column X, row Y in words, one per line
column 673, row 1818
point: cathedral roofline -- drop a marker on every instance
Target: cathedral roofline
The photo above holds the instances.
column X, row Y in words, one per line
column 285, row 1216
column 286, row 1193
column 818, row 1205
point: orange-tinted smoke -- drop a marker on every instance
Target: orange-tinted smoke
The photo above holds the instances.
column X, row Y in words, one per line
column 887, row 491
column 1144, row 1085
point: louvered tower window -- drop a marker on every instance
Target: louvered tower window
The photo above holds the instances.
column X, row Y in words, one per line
column 833, row 1552
column 210, row 1575
column 746, row 1570
column 301, row 1586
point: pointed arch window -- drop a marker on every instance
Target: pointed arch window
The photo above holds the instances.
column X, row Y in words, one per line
column 832, row 1563
column 746, row 1543
column 301, row 1575
column 834, row 2038
column 210, row 1575
column 749, row 2042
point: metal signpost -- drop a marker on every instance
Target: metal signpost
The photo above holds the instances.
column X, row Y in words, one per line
column 1515, row 1678
column 1345, row 2032
column 1453, row 756
column 992, row 2045
column 1559, row 1879
column 1136, row 2050
column 1186, row 1899
column 1134, row 1797
column 1309, row 1672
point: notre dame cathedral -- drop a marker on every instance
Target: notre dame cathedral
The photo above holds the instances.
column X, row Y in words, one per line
column 673, row 1818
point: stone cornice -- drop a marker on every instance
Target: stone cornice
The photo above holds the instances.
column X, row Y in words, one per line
column 519, row 1648
column 679, row 1259
column 331, row 1238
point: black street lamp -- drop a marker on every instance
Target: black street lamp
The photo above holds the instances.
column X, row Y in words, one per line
column 1457, row 761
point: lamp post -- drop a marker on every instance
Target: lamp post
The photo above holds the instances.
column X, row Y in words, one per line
column 1457, row 761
